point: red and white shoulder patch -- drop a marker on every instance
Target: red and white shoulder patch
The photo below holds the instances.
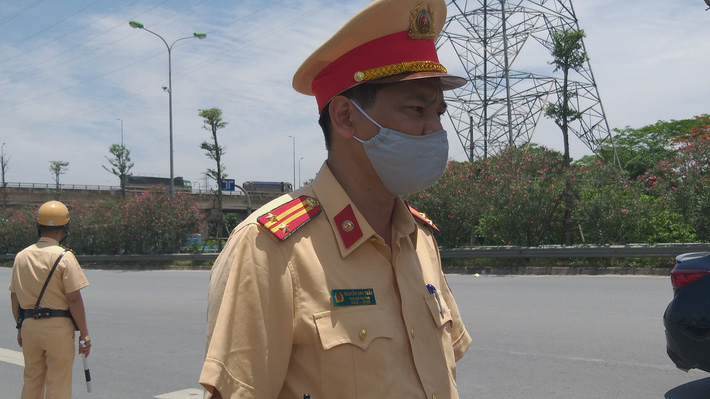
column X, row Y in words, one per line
column 422, row 217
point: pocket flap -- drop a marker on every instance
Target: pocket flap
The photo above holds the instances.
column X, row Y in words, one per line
column 357, row 326
column 436, row 311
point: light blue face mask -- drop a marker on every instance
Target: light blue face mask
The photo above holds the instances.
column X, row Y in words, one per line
column 406, row 163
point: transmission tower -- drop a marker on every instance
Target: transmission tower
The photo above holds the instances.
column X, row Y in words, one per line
column 500, row 105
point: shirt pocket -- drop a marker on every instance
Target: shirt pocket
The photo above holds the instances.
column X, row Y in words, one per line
column 440, row 312
column 441, row 315
column 356, row 351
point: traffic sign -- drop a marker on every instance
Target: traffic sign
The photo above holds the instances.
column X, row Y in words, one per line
column 228, row 184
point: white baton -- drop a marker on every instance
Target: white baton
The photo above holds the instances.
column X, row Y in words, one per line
column 87, row 373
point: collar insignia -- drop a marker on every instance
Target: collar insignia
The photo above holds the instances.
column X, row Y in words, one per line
column 349, row 230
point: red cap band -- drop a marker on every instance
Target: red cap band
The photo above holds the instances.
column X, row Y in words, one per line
column 390, row 50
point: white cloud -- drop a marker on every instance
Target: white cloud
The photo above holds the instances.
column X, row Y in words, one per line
column 68, row 71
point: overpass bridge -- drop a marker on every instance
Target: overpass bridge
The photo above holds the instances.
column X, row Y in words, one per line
column 19, row 194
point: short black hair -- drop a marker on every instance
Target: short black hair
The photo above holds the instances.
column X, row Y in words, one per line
column 363, row 94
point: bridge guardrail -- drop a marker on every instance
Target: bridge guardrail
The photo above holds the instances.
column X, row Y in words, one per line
column 602, row 251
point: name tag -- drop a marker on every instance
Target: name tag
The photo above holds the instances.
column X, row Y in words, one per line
column 365, row 296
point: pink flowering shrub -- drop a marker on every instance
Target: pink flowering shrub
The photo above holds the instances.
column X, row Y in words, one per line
column 522, row 192
column 611, row 209
column 18, row 228
column 682, row 184
column 150, row 222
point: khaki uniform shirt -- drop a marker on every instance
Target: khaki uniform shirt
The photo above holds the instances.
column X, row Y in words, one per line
column 30, row 271
column 330, row 310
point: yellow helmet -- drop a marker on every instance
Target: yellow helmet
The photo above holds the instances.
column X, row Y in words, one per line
column 53, row 214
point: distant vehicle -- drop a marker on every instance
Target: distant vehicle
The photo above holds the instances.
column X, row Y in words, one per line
column 139, row 183
column 687, row 317
column 267, row 187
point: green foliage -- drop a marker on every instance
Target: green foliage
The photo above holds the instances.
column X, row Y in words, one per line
column 522, row 188
column 568, row 49
column 18, row 229
column 682, row 183
column 58, row 168
column 639, row 150
column 516, row 197
column 151, row 222
column 212, row 122
column 611, row 209
column 121, row 164
column 450, row 205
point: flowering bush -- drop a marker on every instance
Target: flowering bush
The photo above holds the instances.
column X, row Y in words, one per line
column 611, row 209
column 450, row 206
column 682, row 184
column 150, row 222
column 18, row 228
column 522, row 191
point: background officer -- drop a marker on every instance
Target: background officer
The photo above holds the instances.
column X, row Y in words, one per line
column 45, row 329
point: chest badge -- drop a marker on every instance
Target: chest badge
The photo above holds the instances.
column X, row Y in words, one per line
column 353, row 297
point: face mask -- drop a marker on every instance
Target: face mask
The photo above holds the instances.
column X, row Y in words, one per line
column 406, row 163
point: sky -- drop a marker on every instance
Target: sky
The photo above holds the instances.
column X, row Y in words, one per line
column 76, row 78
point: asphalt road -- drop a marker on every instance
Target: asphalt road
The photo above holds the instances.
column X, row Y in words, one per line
column 533, row 337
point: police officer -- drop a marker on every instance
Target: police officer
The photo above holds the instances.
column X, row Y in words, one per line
column 336, row 290
column 45, row 327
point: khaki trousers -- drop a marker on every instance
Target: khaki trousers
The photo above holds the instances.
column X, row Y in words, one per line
column 48, row 349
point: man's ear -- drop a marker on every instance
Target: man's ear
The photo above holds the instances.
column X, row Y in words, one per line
column 341, row 116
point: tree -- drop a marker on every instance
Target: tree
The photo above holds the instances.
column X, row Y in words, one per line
column 3, row 163
column 121, row 164
column 212, row 119
column 641, row 149
column 568, row 53
column 58, row 168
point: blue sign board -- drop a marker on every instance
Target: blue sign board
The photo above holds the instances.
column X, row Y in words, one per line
column 228, row 184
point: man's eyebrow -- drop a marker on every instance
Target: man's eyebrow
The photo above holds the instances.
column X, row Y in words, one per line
column 429, row 99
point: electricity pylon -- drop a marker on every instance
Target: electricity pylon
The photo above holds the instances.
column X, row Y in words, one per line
column 505, row 49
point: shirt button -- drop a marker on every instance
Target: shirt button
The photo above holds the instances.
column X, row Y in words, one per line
column 363, row 335
column 414, row 334
column 433, row 396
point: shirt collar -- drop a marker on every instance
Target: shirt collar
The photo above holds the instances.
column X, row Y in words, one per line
column 349, row 226
column 48, row 240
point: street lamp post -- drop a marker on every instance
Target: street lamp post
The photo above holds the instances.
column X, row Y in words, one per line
column 294, row 161
column 299, row 172
column 199, row 35
column 119, row 119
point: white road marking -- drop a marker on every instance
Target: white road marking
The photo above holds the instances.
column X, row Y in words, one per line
column 10, row 356
column 184, row 394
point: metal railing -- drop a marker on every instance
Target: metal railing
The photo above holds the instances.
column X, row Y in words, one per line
column 603, row 251
column 53, row 187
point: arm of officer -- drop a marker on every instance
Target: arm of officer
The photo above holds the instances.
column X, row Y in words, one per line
column 15, row 303
column 250, row 318
column 76, row 306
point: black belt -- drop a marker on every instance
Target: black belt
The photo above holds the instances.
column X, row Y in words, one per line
column 44, row 313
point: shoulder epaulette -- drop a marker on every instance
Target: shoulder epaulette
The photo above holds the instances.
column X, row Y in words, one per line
column 422, row 217
column 285, row 219
column 68, row 249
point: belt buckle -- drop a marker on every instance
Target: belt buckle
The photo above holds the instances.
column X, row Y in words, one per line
column 37, row 315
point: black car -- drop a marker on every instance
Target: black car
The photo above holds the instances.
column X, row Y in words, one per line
column 687, row 317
